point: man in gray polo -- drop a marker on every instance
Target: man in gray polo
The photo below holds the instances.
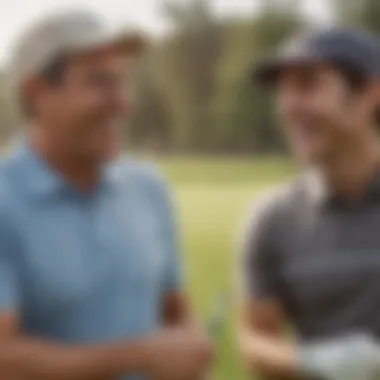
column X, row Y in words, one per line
column 311, row 251
column 90, row 279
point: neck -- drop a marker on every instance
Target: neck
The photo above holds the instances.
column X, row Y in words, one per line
column 350, row 172
column 76, row 169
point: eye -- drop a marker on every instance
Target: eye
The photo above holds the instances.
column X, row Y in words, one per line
column 307, row 82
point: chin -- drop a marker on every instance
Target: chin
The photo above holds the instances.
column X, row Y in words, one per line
column 108, row 149
column 109, row 154
column 101, row 156
column 309, row 157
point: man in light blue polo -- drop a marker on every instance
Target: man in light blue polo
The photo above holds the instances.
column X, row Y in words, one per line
column 89, row 275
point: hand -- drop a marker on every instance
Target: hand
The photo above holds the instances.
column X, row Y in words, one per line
column 351, row 358
column 179, row 354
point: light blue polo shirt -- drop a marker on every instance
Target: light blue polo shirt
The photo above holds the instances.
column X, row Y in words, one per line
column 85, row 268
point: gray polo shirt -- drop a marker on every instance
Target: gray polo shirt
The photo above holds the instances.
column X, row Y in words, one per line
column 319, row 256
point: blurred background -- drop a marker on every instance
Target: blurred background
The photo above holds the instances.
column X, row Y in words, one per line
column 197, row 115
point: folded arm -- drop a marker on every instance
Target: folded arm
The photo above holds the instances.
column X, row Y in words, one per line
column 26, row 358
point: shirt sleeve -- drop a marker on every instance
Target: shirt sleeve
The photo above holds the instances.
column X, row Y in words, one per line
column 9, row 284
column 172, row 277
column 257, row 269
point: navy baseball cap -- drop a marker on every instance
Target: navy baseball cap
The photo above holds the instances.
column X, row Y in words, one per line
column 351, row 48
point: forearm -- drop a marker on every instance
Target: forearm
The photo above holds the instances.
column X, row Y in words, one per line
column 28, row 359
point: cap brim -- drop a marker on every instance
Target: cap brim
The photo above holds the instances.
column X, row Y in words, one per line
column 268, row 71
column 128, row 43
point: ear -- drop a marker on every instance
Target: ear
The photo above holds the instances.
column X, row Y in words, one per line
column 31, row 93
column 32, row 88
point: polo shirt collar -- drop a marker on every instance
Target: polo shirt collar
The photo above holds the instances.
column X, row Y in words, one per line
column 316, row 188
column 43, row 180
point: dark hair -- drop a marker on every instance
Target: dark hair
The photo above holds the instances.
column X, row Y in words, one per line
column 356, row 81
column 52, row 74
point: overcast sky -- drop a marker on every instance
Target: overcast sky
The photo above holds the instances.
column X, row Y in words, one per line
column 15, row 14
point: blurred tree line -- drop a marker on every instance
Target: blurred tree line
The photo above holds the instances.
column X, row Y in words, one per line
column 193, row 93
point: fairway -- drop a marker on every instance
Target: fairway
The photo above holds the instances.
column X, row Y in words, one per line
column 212, row 196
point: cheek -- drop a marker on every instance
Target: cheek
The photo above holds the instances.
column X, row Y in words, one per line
column 91, row 101
column 84, row 111
column 323, row 109
column 291, row 108
column 336, row 107
column 339, row 114
column 105, row 105
column 85, row 100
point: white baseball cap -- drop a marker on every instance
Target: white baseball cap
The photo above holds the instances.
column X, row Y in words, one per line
column 70, row 32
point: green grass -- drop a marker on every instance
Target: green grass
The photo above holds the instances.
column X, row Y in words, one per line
column 213, row 196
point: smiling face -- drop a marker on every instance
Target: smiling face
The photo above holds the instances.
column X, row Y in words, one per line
column 83, row 111
column 322, row 112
